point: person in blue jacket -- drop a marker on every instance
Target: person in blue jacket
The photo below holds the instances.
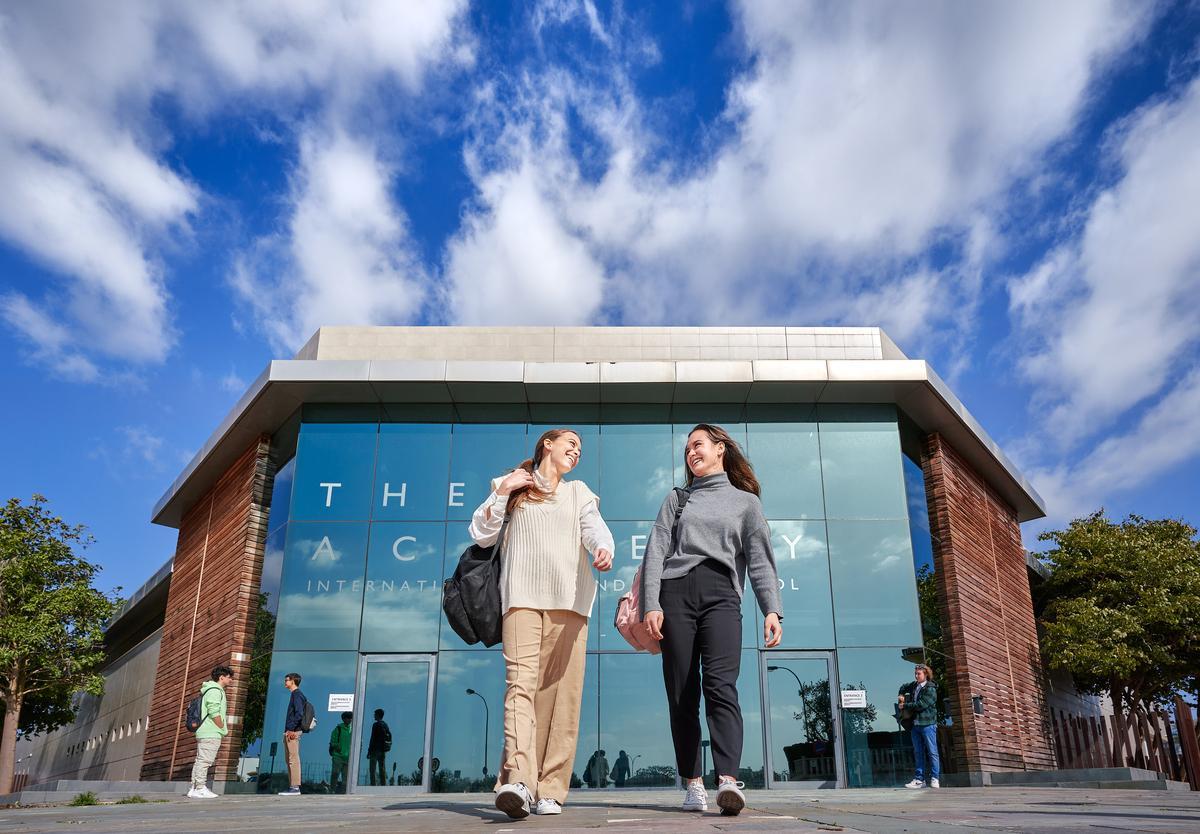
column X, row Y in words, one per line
column 292, row 730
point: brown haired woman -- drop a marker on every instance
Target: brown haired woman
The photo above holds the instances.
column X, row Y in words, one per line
column 692, row 596
column 547, row 590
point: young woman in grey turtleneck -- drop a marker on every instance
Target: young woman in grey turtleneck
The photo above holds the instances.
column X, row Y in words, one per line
column 692, row 599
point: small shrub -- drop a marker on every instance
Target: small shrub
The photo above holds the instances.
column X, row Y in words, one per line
column 85, row 798
column 136, row 799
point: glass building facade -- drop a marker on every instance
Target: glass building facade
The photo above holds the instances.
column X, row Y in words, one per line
column 371, row 514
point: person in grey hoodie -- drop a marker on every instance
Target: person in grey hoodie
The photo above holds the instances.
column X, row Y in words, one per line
column 692, row 585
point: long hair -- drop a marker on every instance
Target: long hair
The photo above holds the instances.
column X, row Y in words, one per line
column 737, row 465
column 519, row 496
column 928, row 672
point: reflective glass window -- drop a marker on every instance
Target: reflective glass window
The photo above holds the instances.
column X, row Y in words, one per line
column 402, row 594
column 918, row 515
column 392, row 742
column 635, row 470
column 468, row 737
column 787, row 460
column 633, row 709
column 802, row 719
column 874, row 587
column 281, row 495
column 860, row 462
column 478, row 454
column 322, row 674
column 878, row 753
column 334, row 467
column 320, row 601
column 412, row 472
column 802, row 561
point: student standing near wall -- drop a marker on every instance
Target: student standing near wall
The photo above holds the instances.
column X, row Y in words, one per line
column 214, row 726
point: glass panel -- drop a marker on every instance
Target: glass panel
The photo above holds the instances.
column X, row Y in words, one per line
column 878, row 753
column 801, row 720
column 802, row 560
column 787, row 460
column 633, row 707
column 392, row 730
column 334, row 465
column 321, row 674
column 402, row 595
column 480, row 453
column 468, row 738
column 751, row 771
column 635, row 471
column 874, row 587
column 320, row 601
column 411, row 476
column 918, row 515
column 281, row 495
column 860, row 462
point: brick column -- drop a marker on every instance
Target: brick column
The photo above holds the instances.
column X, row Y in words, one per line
column 210, row 611
column 987, row 620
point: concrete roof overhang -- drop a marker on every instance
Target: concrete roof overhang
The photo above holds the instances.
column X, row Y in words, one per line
column 286, row 384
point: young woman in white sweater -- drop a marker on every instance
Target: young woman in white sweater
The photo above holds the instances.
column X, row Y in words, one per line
column 547, row 591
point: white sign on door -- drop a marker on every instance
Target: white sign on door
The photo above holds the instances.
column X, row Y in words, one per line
column 341, row 703
column 854, row 699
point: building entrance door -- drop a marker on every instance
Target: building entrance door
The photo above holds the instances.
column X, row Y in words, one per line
column 802, row 721
column 394, row 724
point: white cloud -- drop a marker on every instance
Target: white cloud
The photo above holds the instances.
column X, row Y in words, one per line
column 233, row 383
column 1110, row 314
column 860, row 135
column 85, row 187
column 345, row 256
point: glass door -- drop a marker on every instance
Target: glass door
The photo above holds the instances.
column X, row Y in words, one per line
column 802, row 721
column 393, row 713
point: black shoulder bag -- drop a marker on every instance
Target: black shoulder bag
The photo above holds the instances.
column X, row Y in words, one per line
column 471, row 597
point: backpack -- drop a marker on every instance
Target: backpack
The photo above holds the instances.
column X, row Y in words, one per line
column 308, row 722
column 471, row 597
column 628, row 619
column 387, row 739
column 194, row 717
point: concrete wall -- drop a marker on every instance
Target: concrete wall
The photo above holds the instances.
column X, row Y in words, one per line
column 108, row 737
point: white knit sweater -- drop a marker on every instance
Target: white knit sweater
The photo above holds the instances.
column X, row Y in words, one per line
column 545, row 563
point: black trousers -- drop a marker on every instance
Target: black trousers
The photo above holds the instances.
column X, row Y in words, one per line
column 701, row 650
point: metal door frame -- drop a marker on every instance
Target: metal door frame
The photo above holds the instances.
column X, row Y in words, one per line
column 352, row 786
column 835, row 707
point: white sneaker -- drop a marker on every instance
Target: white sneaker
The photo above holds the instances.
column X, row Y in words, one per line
column 915, row 783
column 933, row 783
column 547, row 806
column 513, row 800
column 730, row 798
column 198, row 793
column 293, row 791
column 697, row 797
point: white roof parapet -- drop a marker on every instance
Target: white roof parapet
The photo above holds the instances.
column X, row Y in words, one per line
column 286, row 384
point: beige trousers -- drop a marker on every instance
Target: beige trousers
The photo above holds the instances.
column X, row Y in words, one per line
column 544, row 658
column 292, row 746
column 206, row 754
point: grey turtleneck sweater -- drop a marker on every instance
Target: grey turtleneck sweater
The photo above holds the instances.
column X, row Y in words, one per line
column 719, row 522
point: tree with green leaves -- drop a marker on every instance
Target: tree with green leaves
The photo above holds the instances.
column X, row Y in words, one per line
column 1122, row 609
column 51, row 623
column 258, row 677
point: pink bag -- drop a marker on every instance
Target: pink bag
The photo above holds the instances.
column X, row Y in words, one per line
column 629, row 619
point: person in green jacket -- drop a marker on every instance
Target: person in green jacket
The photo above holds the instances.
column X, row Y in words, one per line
column 339, row 752
column 214, row 726
column 917, row 702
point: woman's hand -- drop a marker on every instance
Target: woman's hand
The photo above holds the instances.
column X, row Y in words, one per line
column 772, row 631
column 602, row 559
column 515, row 480
column 654, row 622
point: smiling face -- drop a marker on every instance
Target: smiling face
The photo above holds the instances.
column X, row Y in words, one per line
column 563, row 451
column 703, row 456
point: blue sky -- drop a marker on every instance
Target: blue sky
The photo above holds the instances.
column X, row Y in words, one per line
column 188, row 190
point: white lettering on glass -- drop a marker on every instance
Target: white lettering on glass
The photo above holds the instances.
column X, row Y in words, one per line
column 324, row 549
column 455, row 494
column 330, row 486
column 792, row 544
column 637, row 545
column 387, row 493
column 396, row 548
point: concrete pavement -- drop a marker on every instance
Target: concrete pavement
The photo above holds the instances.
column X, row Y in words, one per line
column 879, row 811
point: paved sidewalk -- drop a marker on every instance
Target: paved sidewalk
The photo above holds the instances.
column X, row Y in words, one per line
column 879, row 811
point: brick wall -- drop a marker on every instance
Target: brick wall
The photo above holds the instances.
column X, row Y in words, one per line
column 214, row 587
column 987, row 619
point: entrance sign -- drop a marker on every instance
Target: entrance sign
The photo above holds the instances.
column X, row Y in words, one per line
column 854, row 699
column 341, row 703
